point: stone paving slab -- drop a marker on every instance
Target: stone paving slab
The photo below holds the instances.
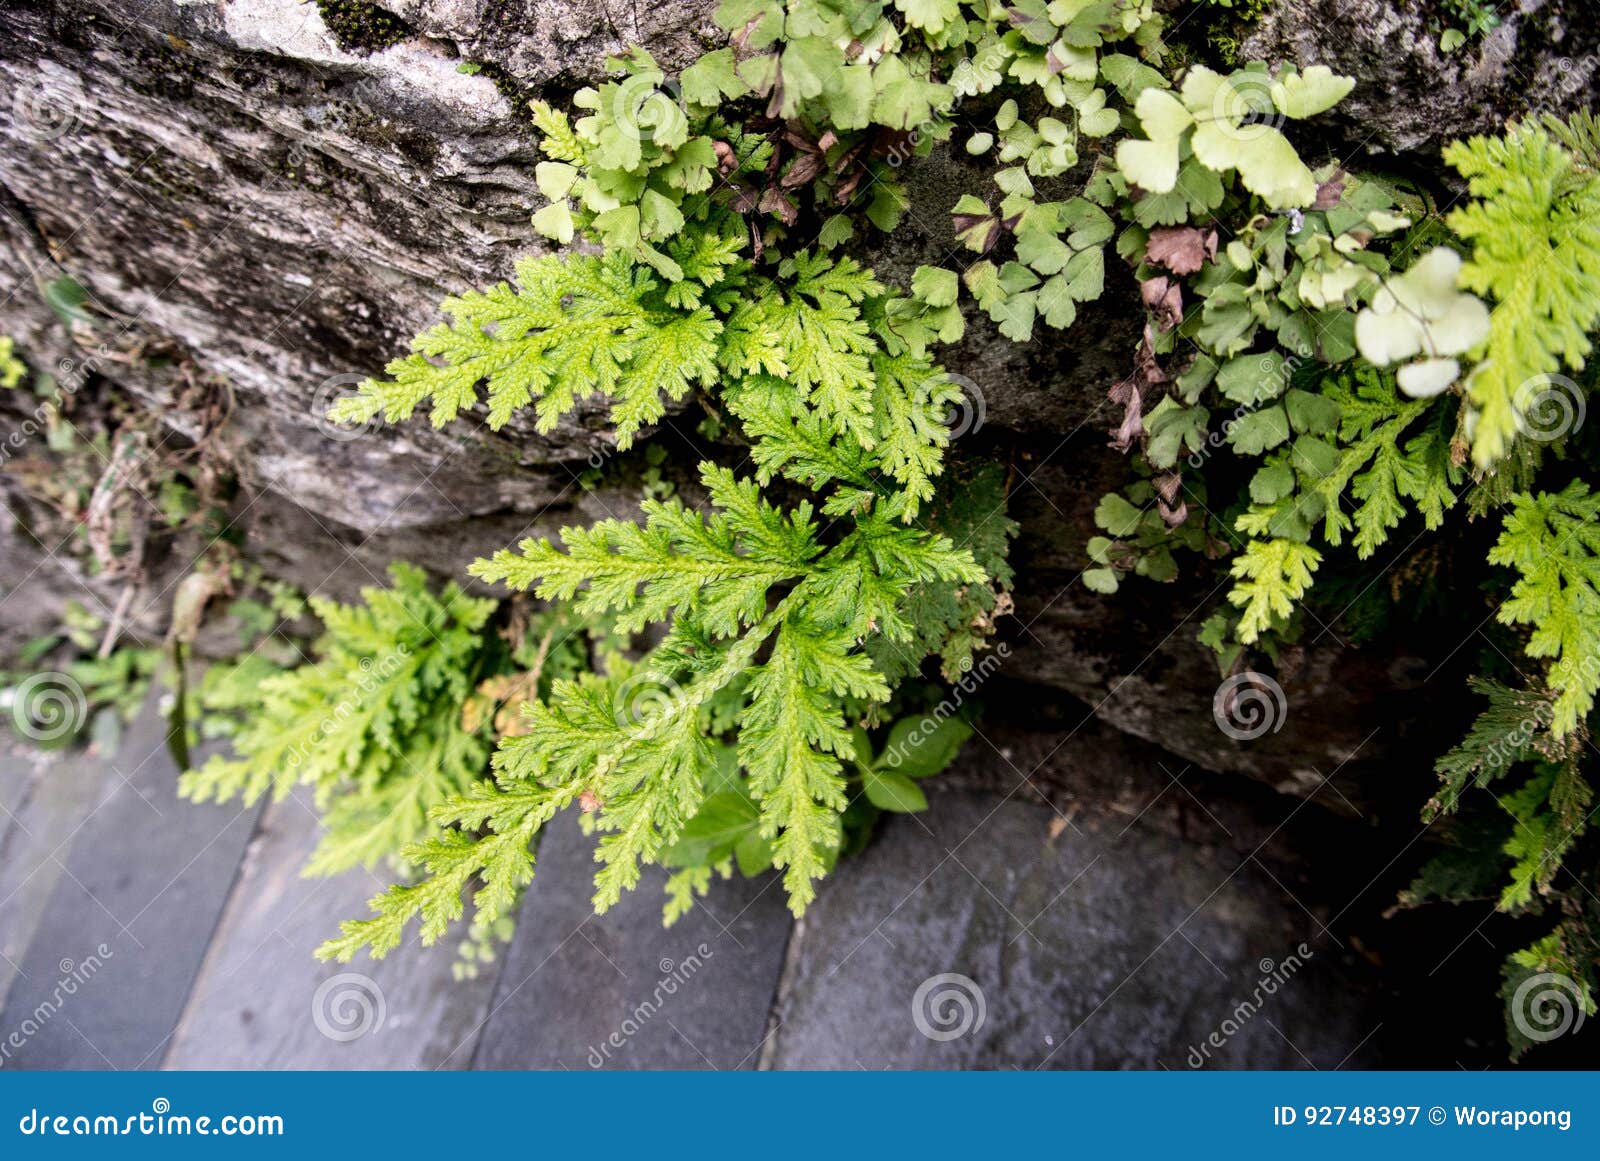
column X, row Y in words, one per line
column 262, row 1000
column 972, row 936
column 618, row 991
column 44, row 799
column 117, row 945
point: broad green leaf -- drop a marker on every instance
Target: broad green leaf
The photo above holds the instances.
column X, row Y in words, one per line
column 1117, row 516
column 1259, row 431
column 1252, row 379
column 894, row 792
column 922, row 747
column 1305, row 94
column 935, row 285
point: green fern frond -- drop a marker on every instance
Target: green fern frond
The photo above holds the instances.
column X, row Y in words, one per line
column 571, row 328
column 1535, row 234
column 718, row 567
column 1381, row 468
column 1553, row 540
column 373, row 726
column 1270, row 576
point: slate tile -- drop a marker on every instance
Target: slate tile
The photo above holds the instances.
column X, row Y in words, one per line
column 618, row 991
column 117, row 945
column 969, row 937
column 263, row 1000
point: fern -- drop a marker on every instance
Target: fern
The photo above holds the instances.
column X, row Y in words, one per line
column 1383, row 459
column 1513, row 728
column 1270, row 576
column 744, row 578
column 1549, row 813
column 1535, row 235
column 569, row 329
column 1553, row 542
column 1565, row 957
column 373, row 727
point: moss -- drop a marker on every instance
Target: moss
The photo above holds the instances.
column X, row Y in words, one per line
column 1221, row 27
column 362, row 28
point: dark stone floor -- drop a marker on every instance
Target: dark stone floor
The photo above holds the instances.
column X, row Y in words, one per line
column 993, row 931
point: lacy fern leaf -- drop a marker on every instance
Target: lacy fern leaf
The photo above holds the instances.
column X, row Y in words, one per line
column 1553, row 541
column 1535, row 234
column 747, row 577
column 373, row 726
column 571, row 328
column 1270, row 576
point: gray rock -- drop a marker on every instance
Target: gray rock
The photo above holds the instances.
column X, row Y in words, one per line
column 44, row 798
column 977, row 936
column 262, row 1000
column 1543, row 56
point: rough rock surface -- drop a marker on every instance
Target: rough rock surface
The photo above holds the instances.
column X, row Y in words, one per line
column 974, row 937
column 1543, row 56
column 244, row 199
